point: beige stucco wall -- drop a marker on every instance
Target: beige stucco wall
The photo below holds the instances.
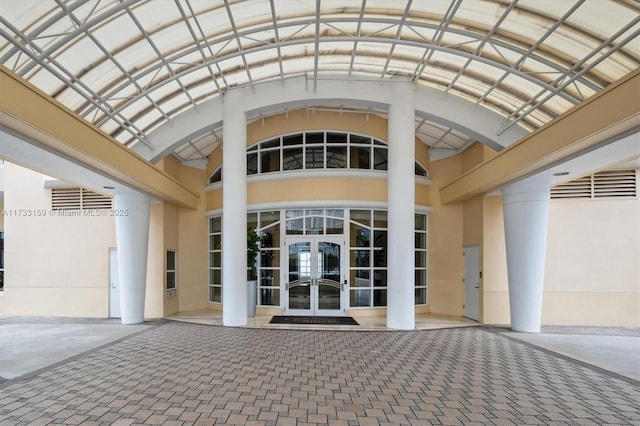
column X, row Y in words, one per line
column 56, row 266
column 193, row 248
column 494, row 283
column 592, row 274
column 445, row 243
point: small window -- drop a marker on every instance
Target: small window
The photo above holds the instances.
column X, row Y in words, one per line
column 216, row 176
column 171, row 270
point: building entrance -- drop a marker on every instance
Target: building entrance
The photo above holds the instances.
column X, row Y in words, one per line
column 315, row 281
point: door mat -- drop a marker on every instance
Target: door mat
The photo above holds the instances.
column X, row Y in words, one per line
column 294, row 319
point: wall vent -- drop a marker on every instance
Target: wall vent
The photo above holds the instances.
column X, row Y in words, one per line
column 78, row 199
column 605, row 184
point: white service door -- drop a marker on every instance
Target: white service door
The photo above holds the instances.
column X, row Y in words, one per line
column 472, row 282
column 114, row 285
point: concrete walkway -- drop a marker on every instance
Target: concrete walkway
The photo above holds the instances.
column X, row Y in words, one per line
column 180, row 373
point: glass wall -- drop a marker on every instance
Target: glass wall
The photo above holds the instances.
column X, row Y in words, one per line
column 215, row 259
column 421, row 259
column 365, row 233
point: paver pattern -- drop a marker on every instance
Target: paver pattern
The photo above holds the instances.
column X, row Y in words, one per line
column 182, row 374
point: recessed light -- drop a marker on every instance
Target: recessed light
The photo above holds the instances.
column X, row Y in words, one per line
column 561, row 174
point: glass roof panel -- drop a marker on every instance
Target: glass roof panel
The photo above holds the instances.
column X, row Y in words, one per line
column 154, row 42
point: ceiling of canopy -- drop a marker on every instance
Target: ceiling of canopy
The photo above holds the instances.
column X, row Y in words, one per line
column 128, row 66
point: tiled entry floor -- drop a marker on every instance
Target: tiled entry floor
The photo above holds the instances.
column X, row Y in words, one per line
column 182, row 373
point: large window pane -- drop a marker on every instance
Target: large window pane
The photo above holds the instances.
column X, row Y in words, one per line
column 380, row 297
column 360, row 157
column 421, row 296
column 360, row 298
column 334, row 226
column 421, row 222
column 215, row 294
column 360, row 258
column 269, row 258
column 337, row 157
column 269, row 297
column 360, row 237
column 252, row 163
column 360, row 139
column 270, row 161
column 292, row 159
column 270, row 143
column 421, row 259
column 421, row 240
column 314, row 225
column 360, row 278
column 337, row 138
column 215, row 224
column 294, row 226
column 292, row 140
column 361, row 216
column 270, row 278
column 314, row 158
column 380, row 278
column 315, row 137
column 380, row 161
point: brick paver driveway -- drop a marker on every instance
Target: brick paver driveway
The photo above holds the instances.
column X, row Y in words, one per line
column 179, row 373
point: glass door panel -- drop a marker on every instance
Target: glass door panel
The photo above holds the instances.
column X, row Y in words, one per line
column 299, row 280
column 329, row 276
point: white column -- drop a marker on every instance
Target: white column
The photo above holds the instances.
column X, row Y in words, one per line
column 132, row 238
column 526, row 212
column 401, row 210
column 234, row 210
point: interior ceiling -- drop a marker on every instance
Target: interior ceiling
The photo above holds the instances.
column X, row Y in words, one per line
column 128, row 66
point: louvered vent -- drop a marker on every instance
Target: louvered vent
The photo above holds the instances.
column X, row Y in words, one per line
column 78, row 199
column 614, row 183
column 605, row 184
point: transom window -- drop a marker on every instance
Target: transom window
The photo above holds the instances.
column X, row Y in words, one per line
column 317, row 150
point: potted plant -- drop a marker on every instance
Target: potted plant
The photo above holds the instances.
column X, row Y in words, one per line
column 253, row 248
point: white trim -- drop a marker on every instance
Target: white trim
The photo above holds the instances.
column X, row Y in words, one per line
column 213, row 187
column 317, row 204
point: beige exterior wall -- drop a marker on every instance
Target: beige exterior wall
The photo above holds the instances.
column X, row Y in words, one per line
column 592, row 274
column 445, row 243
column 494, row 284
column 193, row 228
column 56, row 265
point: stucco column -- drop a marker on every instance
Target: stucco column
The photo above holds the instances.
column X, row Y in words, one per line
column 526, row 213
column 234, row 210
column 401, row 210
column 132, row 237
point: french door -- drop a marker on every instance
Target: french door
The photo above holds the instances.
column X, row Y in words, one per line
column 315, row 281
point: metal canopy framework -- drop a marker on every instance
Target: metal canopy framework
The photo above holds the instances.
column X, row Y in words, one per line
column 129, row 66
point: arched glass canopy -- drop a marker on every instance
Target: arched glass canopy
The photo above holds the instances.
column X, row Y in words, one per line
column 128, row 66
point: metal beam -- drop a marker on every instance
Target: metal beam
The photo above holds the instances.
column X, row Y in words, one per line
column 594, row 123
column 26, row 111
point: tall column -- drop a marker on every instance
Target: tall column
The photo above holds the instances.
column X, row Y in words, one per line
column 234, row 210
column 401, row 210
column 526, row 213
column 132, row 238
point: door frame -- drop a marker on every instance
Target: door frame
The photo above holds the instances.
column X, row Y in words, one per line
column 314, row 293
